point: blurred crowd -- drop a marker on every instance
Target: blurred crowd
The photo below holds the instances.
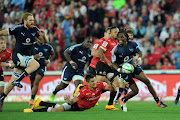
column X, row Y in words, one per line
column 155, row 23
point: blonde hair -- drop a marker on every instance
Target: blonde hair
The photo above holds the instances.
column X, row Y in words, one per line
column 24, row 17
column 2, row 38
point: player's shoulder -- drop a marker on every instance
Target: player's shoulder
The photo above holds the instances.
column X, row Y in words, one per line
column 77, row 46
column 16, row 27
column 132, row 43
column 35, row 28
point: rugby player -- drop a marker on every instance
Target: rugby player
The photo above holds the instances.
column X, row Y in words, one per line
column 77, row 56
column 86, row 98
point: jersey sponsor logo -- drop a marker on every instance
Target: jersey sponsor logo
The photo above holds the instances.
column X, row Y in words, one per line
column 83, row 59
column 104, row 44
column 40, row 54
column 78, row 94
column 28, row 40
column 126, row 58
column 33, row 34
column 23, row 33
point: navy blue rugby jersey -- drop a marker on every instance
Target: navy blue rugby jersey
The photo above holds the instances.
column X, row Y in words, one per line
column 79, row 55
column 122, row 54
column 24, row 38
column 43, row 50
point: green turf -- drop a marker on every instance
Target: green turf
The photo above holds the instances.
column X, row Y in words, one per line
column 136, row 111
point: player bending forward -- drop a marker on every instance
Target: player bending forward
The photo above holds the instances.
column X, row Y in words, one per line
column 87, row 97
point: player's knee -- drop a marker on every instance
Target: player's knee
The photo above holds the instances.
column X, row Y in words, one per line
column 147, row 82
column 37, row 83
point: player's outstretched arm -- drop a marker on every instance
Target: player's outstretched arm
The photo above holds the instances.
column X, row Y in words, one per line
column 10, row 64
column 69, row 100
column 4, row 32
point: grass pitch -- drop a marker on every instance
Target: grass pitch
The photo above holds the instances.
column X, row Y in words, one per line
column 136, row 111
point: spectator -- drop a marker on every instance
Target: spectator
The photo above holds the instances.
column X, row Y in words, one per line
column 167, row 65
column 176, row 57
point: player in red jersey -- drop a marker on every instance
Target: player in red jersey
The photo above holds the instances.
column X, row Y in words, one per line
column 86, row 98
column 5, row 55
column 104, row 66
column 97, row 44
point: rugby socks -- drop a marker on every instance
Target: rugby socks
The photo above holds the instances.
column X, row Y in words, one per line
column 47, row 104
column 32, row 97
column 178, row 95
column 41, row 110
column 112, row 96
column 119, row 93
column 124, row 99
column 55, row 92
column 156, row 99
column 23, row 75
column 126, row 90
column 3, row 96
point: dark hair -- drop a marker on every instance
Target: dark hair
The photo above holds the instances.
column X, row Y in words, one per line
column 124, row 32
column 89, row 76
column 108, row 28
column 114, row 27
column 129, row 30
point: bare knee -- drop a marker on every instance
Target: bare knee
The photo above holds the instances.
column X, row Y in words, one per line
column 136, row 91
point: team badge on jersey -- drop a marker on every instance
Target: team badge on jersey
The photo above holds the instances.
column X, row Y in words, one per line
column 126, row 58
column 104, row 44
column 40, row 54
column 28, row 40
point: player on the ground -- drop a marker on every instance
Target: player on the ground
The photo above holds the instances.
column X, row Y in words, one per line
column 77, row 56
column 104, row 66
column 127, row 54
column 86, row 98
column 5, row 55
column 25, row 64
column 176, row 102
column 46, row 53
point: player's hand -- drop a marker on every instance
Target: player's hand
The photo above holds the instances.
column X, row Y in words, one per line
column 41, row 32
column 37, row 57
column 73, row 64
column 67, row 98
column 46, row 62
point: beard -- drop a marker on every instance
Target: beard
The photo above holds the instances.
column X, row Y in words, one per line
column 29, row 25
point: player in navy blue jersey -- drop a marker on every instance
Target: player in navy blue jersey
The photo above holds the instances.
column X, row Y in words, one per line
column 46, row 53
column 77, row 56
column 25, row 34
column 128, row 51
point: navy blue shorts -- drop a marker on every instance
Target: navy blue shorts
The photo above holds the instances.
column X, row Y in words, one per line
column 69, row 74
column 137, row 70
column 41, row 70
column 127, row 78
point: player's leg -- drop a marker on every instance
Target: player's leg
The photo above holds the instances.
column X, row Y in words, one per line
column 120, row 91
column 142, row 77
column 176, row 102
column 110, row 105
column 9, row 87
column 2, row 83
column 78, row 79
column 34, row 90
column 30, row 65
column 65, row 80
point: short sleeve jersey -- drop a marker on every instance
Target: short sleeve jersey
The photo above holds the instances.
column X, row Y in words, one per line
column 24, row 38
column 96, row 46
column 88, row 98
column 43, row 50
column 79, row 55
column 5, row 56
column 107, row 46
column 122, row 54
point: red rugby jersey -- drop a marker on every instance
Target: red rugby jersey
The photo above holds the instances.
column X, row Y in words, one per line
column 96, row 46
column 6, row 55
column 88, row 98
